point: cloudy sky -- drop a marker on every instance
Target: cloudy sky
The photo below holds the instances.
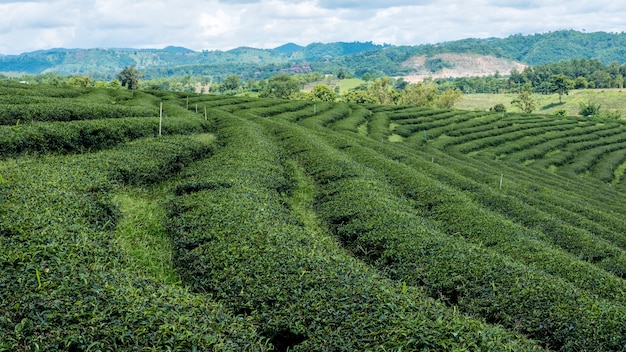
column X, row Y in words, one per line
column 27, row 25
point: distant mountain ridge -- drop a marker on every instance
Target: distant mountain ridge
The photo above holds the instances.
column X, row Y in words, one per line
column 355, row 58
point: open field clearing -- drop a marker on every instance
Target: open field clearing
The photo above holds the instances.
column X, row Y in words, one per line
column 269, row 224
column 609, row 99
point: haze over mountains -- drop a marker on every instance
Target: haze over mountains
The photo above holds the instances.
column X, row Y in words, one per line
column 468, row 57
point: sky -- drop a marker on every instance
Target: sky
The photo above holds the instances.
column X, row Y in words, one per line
column 27, row 25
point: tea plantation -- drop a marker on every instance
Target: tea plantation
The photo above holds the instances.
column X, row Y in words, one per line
column 273, row 225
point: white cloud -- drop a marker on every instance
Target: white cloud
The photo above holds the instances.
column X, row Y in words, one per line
column 221, row 24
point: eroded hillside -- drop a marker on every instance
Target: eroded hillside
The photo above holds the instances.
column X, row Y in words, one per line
column 458, row 65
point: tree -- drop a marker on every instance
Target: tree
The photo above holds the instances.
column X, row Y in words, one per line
column 383, row 91
column 231, row 82
column 524, row 101
column 561, row 84
column 129, row 77
column 322, row 92
column 281, row 86
column 115, row 84
column 359, row 97
column 419, row 94
column 581, row 82
column 448, row 99
column 80, row 81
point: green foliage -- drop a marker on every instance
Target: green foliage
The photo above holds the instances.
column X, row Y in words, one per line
column 340, row 301
column 498, row 108
column 525, row 102
column 358, row 97
column 589, row 109
column 129, row 77
column 299, row 226
column 561, row 85
column 322, row 92
column 231, row 82
column 419, row 94
column 281, row 86
column 448, row 99
column 65, row 282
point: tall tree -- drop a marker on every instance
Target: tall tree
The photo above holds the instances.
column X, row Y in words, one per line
column 561, row 84
column 359, row 97
column 281, row 86
column 524, row 101
column 231, row 82
column 322, row 92
column 383, row 91
column 419, row 94
column 448, row 99
column 129, row 77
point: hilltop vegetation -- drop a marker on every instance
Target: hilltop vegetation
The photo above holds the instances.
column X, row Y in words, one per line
column 293, row 225
column 354, row 58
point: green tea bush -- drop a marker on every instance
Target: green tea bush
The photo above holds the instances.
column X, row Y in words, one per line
column 401, row 113
column 453, row 128
column 325, row 118
column 65, row 286
column 379, row 127
column 19, row 89
column 382, row 228
column 236, row 238
column 604, row 169
column 585, row 161
column 358, row 116
column 68, row 111
column 457, row 213
column 271, row 107
column 499, row 136
column 89, row 135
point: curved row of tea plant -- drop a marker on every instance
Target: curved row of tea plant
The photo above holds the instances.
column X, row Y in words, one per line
column 381, row 228
column 566, row 145
column 65, row 285
column 236, row 239
column 68, row 111
column 89, row 135
column 455, row 212
column 584, row 227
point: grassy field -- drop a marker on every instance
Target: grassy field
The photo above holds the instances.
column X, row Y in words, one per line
column 609, row 99
column 268, row 225
column 343, row 84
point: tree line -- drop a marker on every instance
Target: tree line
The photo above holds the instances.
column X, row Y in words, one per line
column 545, row 79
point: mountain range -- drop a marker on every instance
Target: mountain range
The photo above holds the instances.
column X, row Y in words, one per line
column 355, row 58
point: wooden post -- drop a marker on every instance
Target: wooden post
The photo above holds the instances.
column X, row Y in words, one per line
column 196, row 108
column 160, row 118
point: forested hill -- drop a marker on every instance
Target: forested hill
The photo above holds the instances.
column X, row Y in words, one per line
column 356, row 57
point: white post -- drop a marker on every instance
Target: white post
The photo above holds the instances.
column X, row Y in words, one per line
column 196, row 108
column 205, row 117
column 160, row 118
column 501, row 178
